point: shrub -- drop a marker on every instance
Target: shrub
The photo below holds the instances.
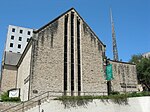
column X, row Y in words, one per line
column 114, row 93
column 119, row 99
column 135, row 94
column 5, row 98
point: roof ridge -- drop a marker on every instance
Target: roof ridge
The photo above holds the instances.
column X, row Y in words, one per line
column 35, row 31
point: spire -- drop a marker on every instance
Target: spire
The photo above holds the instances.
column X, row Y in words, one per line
column 115, row 51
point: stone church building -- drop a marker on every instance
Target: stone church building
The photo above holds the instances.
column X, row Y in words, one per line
column 66, row 56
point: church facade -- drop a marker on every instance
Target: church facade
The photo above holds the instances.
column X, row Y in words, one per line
column 66, row 56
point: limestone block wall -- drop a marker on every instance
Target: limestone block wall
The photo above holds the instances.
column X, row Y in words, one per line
column 6, row 105
column 93, row 76
column 47, row 59
column 8, row 80
column 47, row 73
column 23, row 74
column 125, row 77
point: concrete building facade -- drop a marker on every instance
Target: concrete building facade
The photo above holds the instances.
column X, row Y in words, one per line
column 17, row 38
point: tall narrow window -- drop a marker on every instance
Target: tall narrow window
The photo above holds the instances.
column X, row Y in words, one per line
column 72, row 51
column 29, row 32
column 65, row 51
column 78, row 55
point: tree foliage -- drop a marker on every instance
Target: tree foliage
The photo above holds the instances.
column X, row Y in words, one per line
column 143, row 70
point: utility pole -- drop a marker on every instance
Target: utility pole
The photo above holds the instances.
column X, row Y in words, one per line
column 115, row 51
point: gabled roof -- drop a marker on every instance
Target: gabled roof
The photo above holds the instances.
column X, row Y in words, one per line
column 53, row 20
column 72, row 9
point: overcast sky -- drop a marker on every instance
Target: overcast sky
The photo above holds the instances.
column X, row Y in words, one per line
column 131, row 18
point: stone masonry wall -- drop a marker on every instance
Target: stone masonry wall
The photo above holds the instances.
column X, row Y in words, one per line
column 125, row 77
column 93, row 76
column 47, row 59
column 6, row 105
column 47, row 72
column 8, row 78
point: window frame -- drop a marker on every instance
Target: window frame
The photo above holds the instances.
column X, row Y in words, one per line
column 19, row 46
column 21, row 31
column 11, row 44
column 29, row 33
column 28, row 39
column 13, row 29
column 12, row 37
column 20, row 39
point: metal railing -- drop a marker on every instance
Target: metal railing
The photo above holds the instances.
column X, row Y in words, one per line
column 37, row 100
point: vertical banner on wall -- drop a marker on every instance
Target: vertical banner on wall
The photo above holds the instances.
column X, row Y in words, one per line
column 109, row 72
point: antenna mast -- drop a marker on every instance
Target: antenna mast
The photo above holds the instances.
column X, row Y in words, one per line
column 115, row 51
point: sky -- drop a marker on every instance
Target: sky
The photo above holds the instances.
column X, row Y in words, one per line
column 131, row 19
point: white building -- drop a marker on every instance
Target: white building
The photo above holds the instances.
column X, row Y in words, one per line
column 17, row 38
column 146, row 55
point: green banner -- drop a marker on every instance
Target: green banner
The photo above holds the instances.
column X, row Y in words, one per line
column 109, row 72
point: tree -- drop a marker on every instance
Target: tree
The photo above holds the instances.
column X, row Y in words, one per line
column 143, row 70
